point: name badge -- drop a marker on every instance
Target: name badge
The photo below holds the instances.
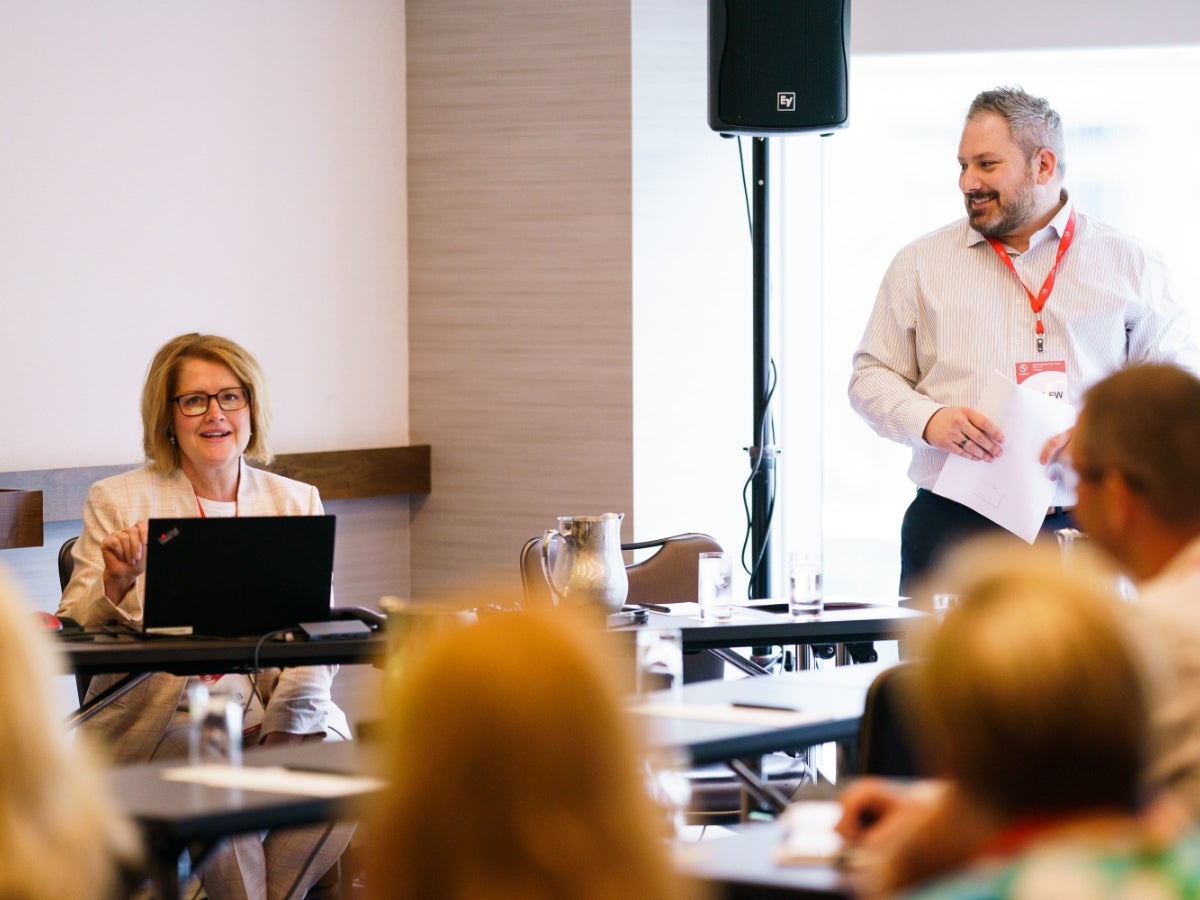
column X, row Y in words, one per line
column 1047, row 377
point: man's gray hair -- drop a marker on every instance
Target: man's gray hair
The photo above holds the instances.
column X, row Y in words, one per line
column 1031, row 121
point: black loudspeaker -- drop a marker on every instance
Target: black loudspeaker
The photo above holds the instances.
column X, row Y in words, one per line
column 778, row 66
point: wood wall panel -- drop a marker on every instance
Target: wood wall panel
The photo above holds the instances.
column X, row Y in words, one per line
column 520, row 274
column 20, row 518
column 338, row 474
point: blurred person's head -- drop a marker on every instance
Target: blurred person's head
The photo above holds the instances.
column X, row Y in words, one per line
column 60, row 833
column 1030, row 691
column 1134, row 451
column 177, row 432
column 513, row 772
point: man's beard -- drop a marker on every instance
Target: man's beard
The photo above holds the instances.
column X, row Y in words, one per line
column 1009, row 215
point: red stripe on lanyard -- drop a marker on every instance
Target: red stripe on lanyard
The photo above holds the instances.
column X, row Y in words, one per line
column 1037, row 302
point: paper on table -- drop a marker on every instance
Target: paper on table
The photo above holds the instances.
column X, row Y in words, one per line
column 680, row 609
column 274, row 780
column 808, row 833
column 1015, row 489
column 734, row 715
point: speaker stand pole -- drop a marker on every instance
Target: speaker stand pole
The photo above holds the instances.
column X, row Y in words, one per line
column 762, row 453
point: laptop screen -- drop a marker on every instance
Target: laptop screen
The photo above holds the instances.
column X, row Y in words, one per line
column 237, row 577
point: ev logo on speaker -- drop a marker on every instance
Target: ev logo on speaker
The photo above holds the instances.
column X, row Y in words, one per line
column 785, row 101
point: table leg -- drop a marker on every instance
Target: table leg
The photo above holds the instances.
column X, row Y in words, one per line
column 100, row 701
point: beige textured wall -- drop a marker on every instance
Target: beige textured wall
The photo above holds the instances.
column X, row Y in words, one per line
column 519, row 169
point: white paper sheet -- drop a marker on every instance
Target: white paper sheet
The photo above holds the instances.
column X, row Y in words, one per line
column 1014, row 490
column 274, row 779
column 808, row 833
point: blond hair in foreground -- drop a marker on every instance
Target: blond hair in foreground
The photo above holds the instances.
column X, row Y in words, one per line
column 1032, row 689
column 513, row 773
column 60, row 833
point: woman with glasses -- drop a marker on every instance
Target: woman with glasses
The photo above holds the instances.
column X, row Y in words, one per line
column 204, row 409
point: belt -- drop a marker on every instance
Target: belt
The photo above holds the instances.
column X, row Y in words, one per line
column 1058, row 510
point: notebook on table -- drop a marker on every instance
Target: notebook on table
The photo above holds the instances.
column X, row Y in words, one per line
column 237, row 577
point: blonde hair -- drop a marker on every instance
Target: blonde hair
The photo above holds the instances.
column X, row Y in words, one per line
column 60, row 833
column 1032, row 689
column 162, row 384
column 513, row 773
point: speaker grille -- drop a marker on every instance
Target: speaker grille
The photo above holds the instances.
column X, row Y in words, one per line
column 778, row 65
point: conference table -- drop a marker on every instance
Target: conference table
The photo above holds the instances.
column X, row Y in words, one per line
column 178, row 810
column 768, row 623
column 743, row 866
column 102, row 651
column 118, row 651
column 185, row 811
column 717, row 721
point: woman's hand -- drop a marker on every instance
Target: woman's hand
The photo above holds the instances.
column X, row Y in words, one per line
column 124, row 554
column 866, row 802
column 903, row 834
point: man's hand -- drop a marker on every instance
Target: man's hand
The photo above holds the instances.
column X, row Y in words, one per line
column 1055, row 446
column 965, row 432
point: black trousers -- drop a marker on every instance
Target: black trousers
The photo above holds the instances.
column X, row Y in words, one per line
column 933, row 525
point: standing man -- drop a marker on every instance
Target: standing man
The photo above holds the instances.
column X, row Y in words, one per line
column 1025, row 285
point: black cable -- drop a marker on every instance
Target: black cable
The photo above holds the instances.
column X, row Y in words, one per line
column 745, row 189
column 254, row 670
column 768, row 424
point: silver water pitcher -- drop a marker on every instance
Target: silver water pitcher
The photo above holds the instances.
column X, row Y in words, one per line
column 583, row 564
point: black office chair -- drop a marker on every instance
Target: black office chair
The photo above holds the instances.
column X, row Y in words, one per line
column 886, row 743
column 66, row 562
column 66, row 565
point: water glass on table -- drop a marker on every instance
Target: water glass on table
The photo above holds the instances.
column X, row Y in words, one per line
column 215, row 728
column 806, row 596
column 659, row 660
column 716, row 586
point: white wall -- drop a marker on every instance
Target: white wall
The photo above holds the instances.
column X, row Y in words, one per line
column 692, row 290
column 888, row 26
column 220, row 166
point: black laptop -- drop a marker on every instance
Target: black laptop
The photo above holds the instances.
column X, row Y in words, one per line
column 237, row 577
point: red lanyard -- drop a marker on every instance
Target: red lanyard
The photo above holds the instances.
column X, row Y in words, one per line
column 1036, row 303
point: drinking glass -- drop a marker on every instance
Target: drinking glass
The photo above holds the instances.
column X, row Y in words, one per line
column 943, row 603
column 659, row 660
column 215, row 728
column 805, row 594
column 716, row 586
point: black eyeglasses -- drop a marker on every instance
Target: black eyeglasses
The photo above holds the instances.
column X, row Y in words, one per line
column 228, row 399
